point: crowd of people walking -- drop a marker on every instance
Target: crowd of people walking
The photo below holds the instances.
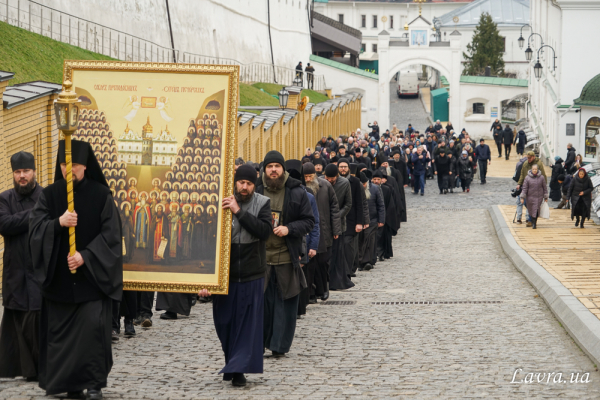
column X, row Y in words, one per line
column 301, row 229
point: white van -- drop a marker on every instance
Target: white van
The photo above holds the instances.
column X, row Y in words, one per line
column 408, row 83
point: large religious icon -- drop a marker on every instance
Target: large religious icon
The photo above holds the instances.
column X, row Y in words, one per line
column 163, row 134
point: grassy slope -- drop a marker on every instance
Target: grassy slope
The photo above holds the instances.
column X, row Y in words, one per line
column 273, row 88
column 37, row 58
column 251, row 96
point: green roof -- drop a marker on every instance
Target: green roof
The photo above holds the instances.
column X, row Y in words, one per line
column 444, row 81
column 439, row 92
column 492, row 80
column 590, row 95
column 343, row 67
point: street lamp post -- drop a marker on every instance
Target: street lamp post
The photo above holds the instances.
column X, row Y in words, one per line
column 529, row 52
column 521, row 40
column 537, row 68
column 283, row 98
column 66, row 109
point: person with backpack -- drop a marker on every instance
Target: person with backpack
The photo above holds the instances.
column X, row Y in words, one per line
column 507, row 139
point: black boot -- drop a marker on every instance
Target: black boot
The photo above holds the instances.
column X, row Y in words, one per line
column 582, row 220
column 577, row 222
column 94, row 394
column 129, row 329
column 534, row 222
column 238, row 379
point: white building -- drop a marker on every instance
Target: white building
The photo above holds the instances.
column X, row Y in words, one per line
column 130, row 147
column 560, row 111
column 164, row 148
column 511, row 16
column 371, row 17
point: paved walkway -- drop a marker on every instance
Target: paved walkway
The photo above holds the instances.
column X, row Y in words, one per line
column 405, row 111
column 569, row 253
column 487, row 323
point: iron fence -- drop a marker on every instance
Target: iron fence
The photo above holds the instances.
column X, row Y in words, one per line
column 88, row 35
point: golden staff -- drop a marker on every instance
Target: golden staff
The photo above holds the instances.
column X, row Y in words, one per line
column 66, row 109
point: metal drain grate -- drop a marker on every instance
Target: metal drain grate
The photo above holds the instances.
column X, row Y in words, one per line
column 338, row 303
column 440, row 209
column 394, row 303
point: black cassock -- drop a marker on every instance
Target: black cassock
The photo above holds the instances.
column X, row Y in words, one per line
column 385, row 233
column 21, row 297
column 400, row 173
column 75, row 323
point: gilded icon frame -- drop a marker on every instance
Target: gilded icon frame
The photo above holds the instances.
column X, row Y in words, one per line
column 228, row 137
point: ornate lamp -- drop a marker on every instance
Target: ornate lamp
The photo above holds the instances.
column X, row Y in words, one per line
column 521, row 41
column 528, row 53
column 66, row 109
column 537, row 69
column 297, row 81
column 283, row 98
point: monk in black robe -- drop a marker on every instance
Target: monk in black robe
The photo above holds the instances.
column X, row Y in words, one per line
column 21, row 295
column 401, row 175
column 75, row 323
column 390, row 229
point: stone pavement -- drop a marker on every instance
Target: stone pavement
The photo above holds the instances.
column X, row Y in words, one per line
column 365, row 350
column 405, row 111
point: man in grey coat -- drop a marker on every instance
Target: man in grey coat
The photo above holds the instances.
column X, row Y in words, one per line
column 331, row 227
column 339, row 270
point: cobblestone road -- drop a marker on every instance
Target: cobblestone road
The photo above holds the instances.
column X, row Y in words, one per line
column 406, row 111
column 424, row 351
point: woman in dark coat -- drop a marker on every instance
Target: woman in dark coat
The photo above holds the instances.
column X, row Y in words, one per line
column 557, row 170
column 521, row 142
column 465, row 170
column 580, row 193
column 535, row 191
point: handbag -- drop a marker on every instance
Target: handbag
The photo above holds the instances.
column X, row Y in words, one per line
column 545, row 210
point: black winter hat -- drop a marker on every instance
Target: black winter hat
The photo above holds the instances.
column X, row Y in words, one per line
column 363, row 178
column 331, row 171
column 308, row 169
column 274, row 157
column 245, row 172
column 343, row 160
column 378, row 174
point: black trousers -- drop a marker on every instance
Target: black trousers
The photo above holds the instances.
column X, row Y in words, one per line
column 465, row 183
column 310, row 270
column 507, row 150
column 322, row 272
column 442, row 182
column 482, row 169
column 145, row 302
column 127, row 308
column 499, row 145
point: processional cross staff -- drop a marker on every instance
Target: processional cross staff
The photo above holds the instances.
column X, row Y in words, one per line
column 66, row 109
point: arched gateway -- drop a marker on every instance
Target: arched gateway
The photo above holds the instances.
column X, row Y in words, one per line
column 417, row 48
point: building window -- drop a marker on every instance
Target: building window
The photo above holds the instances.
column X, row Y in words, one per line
column 374, row 48
column 592, row 128
column 391, row 22
column 374, row 21
column 504, row 45
column 363, row 47
column 478, row 108
column 363, row 22
column 341, row 18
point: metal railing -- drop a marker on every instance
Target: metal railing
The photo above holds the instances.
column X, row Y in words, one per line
column 261, row 72
column 67, row 28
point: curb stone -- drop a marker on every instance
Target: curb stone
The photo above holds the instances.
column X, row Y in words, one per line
column 580, row 323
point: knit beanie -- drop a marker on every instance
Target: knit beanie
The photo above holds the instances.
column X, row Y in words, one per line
column 274, row 157
column 245, row 172
column 331, row 171
column 308, row 169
